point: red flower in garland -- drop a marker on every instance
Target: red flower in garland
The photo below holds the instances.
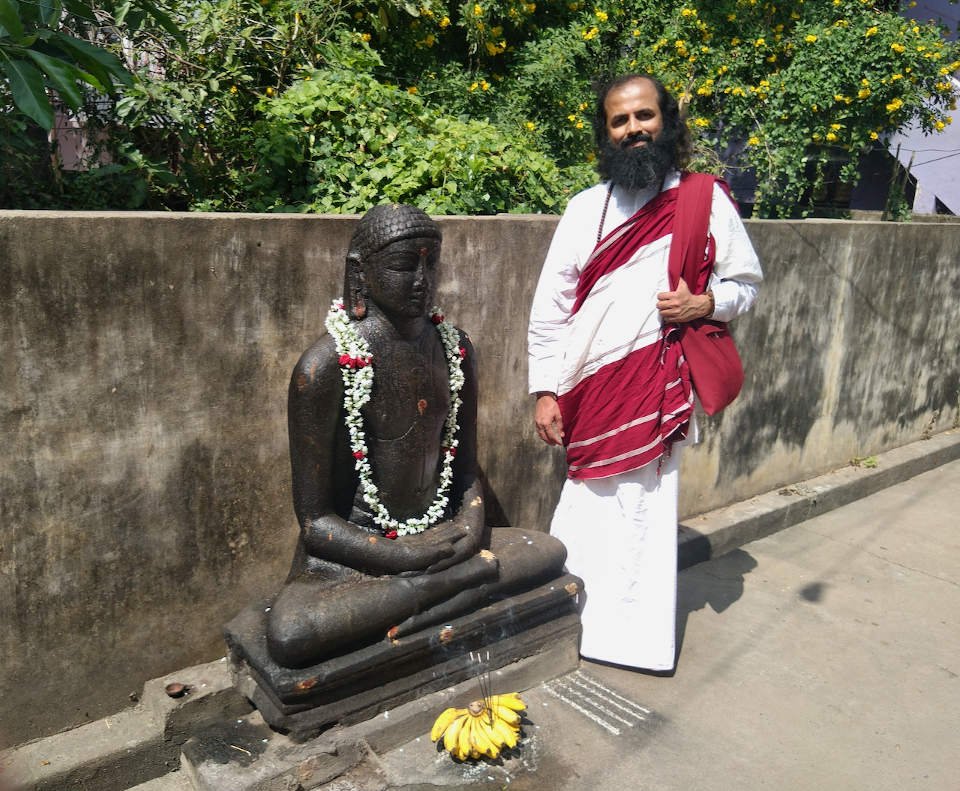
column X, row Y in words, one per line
column 436, row 318
column 358, row 454
column 463, row 353
column 346, row 361
column 391, row 534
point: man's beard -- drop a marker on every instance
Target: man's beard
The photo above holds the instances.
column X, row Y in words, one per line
column 635, row 168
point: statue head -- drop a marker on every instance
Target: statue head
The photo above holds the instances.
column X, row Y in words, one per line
column 392, row 261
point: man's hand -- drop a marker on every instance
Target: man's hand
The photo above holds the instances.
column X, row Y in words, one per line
column 680, row 306
column 548, row 419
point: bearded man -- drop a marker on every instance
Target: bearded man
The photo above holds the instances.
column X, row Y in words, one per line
column 607, row 375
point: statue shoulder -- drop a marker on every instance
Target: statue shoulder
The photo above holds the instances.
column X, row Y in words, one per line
column 465, row 342
column 317, row 370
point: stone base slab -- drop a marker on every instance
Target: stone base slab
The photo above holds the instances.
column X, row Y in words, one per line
column 359, row 685
column 247, row 755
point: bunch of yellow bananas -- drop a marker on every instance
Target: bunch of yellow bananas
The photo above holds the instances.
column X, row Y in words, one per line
column 483, row 728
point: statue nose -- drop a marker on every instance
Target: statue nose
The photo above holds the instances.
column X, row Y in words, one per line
column 421, row 278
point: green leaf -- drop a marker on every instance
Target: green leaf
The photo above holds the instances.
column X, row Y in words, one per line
column 103, row 65
column 120, row 12
column 164, row 20
column 49, row 11
column 79, row 9
column 29, row 94
column 65, row 77
column 10, row 18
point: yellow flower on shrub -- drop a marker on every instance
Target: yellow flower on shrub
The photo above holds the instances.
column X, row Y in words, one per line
column 895, row 105
column 874, row 135
column 940, row 126
column 831, row 137
column 701, row 122
column 530, row 126
column 863, row 93
column 810, row 39
column 601, row 15
column 871, row 31
column 589, row 34
column 754, row 141
column 897, row 47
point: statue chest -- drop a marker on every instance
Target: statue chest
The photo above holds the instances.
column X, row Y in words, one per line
column 411, row 394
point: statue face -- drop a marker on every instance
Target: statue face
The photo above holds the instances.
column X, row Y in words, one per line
column 401, row 278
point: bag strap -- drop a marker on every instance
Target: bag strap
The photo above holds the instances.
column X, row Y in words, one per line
column 691, row 224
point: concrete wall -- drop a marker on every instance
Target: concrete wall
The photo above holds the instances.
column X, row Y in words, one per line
column 144, row 492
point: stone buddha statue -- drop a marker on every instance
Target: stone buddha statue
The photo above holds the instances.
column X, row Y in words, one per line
column 382, row 424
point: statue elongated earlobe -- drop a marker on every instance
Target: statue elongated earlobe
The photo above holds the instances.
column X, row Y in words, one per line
column 354, row 289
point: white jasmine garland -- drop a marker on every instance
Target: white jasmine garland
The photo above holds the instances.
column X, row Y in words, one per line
column 356, row 368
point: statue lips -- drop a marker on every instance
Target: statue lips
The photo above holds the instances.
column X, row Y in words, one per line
column 420, row 297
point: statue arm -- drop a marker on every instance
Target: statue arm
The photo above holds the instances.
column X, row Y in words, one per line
column 314, row 410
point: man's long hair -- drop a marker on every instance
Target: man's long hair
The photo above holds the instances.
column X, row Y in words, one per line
column 674, row 125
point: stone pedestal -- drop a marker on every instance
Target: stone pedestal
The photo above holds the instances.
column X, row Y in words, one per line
column 359, row 685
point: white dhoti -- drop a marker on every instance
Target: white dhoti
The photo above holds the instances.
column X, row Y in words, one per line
column 621, row 539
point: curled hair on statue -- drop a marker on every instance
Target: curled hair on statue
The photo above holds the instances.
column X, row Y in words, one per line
column 354, row 287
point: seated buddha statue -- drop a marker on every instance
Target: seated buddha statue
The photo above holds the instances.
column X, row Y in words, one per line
column 382, row 416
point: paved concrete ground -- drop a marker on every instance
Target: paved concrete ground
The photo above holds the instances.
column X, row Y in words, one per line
column 826, row 656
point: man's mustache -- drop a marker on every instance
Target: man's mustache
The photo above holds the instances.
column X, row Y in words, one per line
column 636, row 137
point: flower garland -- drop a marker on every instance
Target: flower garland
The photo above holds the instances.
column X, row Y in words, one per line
column 356, row 368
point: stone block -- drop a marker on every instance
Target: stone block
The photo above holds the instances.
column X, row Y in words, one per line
column 359, row 685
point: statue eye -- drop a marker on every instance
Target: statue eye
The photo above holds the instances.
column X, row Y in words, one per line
column 404, row 263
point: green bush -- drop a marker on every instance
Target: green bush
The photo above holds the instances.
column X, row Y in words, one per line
column 484, row 107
